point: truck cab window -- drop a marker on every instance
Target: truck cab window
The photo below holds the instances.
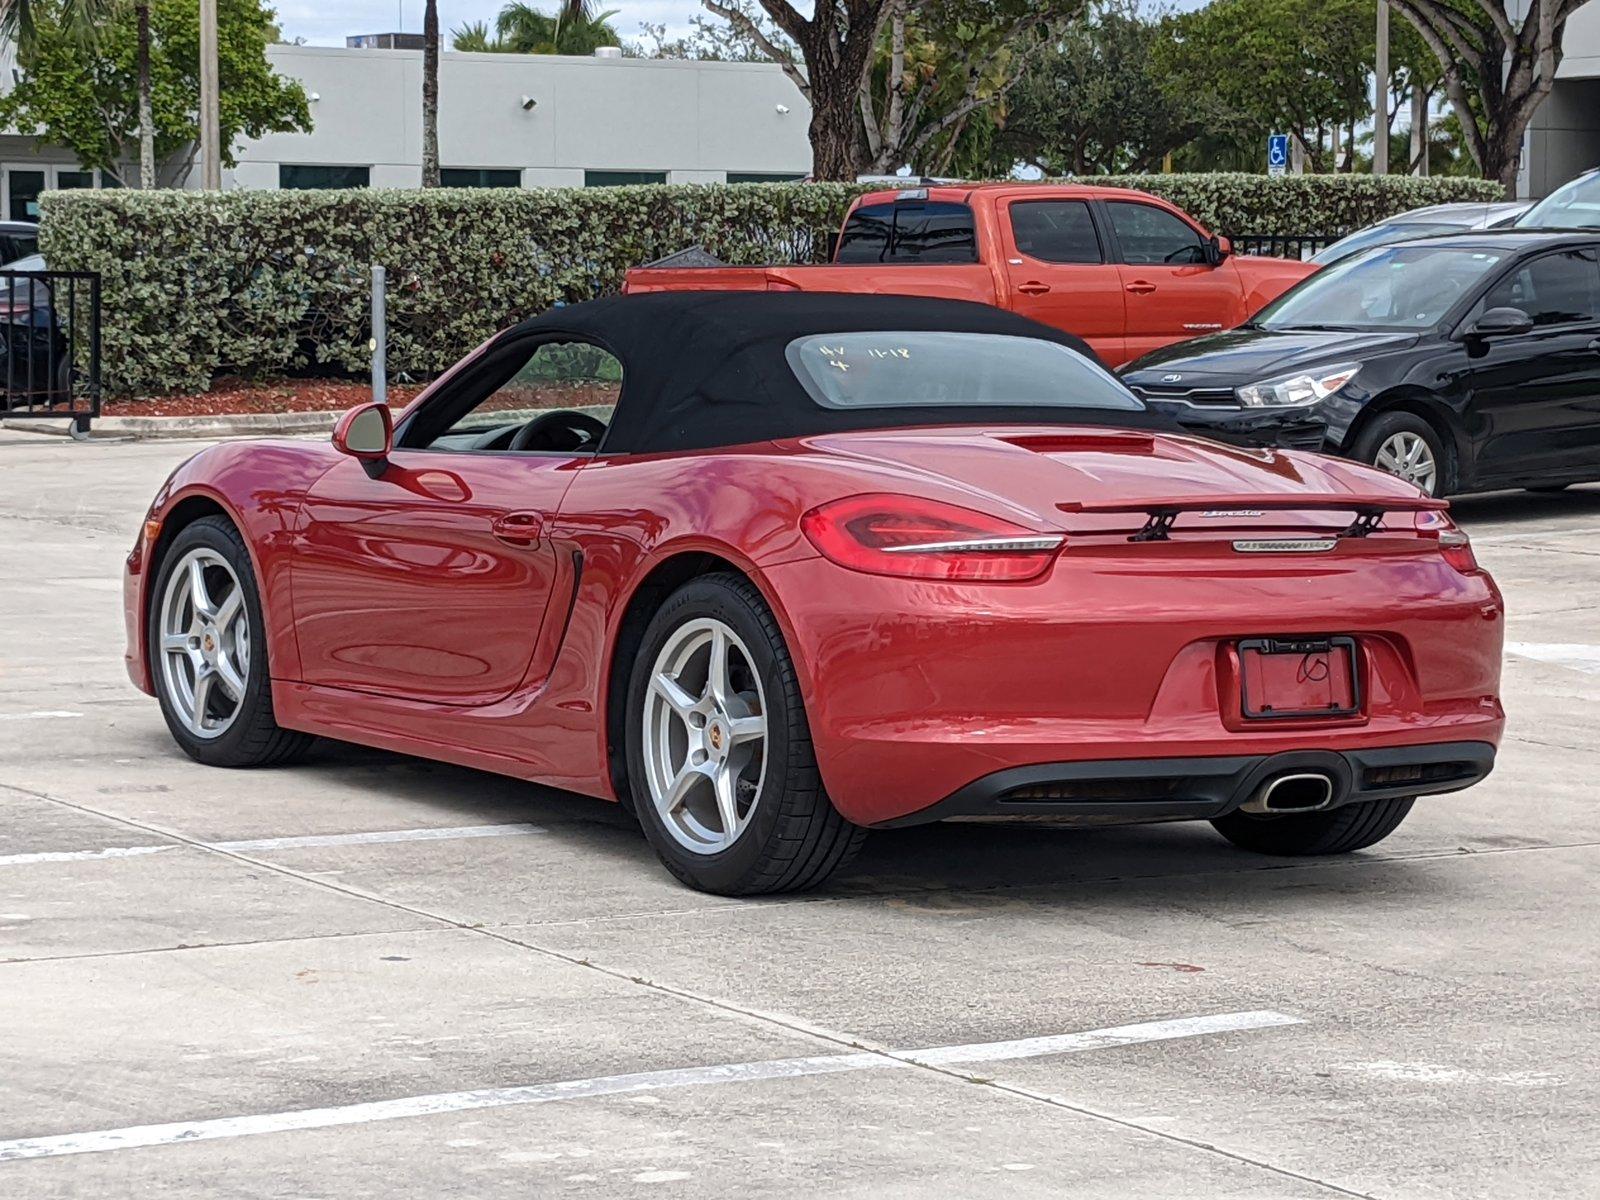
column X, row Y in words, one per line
column 921, row 231
column 1057, row 231
column 1148, row 234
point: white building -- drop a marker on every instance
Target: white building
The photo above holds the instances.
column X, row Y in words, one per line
column 1564, row 137
column 512, row 120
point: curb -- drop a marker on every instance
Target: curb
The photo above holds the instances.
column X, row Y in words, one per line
column 226, row 426
column 236, row 425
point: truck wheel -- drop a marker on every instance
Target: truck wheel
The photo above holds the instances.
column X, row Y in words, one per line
column 1352, row 827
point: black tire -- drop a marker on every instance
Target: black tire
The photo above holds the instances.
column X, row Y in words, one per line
column 255, row 738
column 1384, row 427
column 1338, row 831
column 795, row 839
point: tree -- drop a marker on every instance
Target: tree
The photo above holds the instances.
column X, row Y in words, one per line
column 828, row 57
column 521, row 29
column 430, row 94
column 1296, row 66
column 85, row 96
column 1497, row 70
column 1097, row 103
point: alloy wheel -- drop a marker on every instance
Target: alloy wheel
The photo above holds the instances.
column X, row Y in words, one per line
column 1408, row 456
column 705, row 735
column 205, row 643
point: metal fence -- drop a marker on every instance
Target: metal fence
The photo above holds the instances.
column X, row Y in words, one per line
column 1283, row 245
column 50, row 344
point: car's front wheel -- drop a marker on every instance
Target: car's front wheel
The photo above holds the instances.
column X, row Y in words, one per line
column 208, row 652
column 1338, row 831
column 1406, row 446
column 720, row 763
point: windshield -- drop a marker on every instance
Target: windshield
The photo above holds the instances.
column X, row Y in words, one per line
column 1393, row 287
column 1380, row 235
column 1575, row 206
column 893, row 369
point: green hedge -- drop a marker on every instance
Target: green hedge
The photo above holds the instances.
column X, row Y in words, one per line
column 262, row 282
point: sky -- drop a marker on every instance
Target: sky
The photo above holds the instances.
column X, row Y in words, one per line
column 328, row 24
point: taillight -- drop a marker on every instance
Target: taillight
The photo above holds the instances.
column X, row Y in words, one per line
column 927, row 539
column 1455, row 547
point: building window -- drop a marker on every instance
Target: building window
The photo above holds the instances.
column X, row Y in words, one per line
column 303, row 178
column 25, row 189
column 621, row 178
column 70, row 180
column 479, row 177
column 765, row 177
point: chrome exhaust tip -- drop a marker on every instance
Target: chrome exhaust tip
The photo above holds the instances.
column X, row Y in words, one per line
column 1306, row 792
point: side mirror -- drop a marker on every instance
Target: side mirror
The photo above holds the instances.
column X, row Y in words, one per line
column 366, row 433
column 1500, row 322
column 1217, row 250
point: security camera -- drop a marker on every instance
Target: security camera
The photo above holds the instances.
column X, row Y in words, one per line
column 783, row 109
column 528, row 103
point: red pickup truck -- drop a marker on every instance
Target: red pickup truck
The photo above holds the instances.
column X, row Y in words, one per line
column 1124, row 270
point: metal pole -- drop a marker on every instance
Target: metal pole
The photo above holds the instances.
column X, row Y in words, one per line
column 210, row 131
column 1380, row 108
column 380, row 338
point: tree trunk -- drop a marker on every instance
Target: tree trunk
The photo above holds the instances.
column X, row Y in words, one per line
column 430, row 94
column 1419, row 129
column 147, row 128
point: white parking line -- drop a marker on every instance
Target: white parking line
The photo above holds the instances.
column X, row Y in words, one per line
column 377, row 837
column 1575, row 656
column 53, row 856
column 611, row 1085
column 44, row 714
column 373, row 839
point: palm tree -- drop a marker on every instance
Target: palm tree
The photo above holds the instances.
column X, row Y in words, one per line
column 430, row 94
column 575, row 28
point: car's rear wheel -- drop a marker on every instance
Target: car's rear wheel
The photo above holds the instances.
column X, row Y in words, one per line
column 720, row 762
column 1407, row 447
column 208, row 654
column 1338, row 831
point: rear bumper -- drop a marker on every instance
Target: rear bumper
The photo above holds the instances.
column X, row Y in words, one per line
column 1180, row 789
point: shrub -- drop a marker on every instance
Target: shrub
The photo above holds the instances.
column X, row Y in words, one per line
column 263, row 282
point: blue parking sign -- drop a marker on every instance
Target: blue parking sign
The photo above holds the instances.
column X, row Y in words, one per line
column 1277, row 153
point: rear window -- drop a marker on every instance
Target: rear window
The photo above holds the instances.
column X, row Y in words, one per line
column 912, row 231
column 930, row 368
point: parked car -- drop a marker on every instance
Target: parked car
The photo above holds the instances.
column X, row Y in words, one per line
column 18, row 239
column 1125, row 271
column 1459, row 363
column 834, row 562
column 1574, row 205
column 1424, row 222
column 35, row 353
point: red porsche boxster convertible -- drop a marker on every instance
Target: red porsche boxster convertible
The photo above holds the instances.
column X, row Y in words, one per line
column 781, row 568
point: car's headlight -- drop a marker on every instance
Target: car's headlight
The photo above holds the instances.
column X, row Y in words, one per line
column 1297, row 391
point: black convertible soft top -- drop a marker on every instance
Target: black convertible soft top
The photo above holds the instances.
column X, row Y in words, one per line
column 707, row 369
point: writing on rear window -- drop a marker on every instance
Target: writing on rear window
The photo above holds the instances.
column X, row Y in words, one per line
column 931, row 368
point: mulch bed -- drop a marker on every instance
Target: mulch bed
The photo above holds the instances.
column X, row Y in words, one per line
column 230, row 395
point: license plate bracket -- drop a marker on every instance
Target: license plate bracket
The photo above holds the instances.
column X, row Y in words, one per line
column 1297, row 678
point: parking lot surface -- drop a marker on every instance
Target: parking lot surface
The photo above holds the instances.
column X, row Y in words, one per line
column 375, row 976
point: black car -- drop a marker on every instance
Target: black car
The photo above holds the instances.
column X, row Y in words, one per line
column 1461, row 363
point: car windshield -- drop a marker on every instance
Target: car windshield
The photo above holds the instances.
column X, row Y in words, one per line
column 1575, row 206
column 899, row 369
column 1380, row 235
column 1393, row 287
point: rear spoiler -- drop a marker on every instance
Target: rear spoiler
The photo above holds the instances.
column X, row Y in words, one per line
column 1163, row 511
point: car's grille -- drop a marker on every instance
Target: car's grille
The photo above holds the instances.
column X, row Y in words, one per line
column 1213, row 397
column 1392, row 777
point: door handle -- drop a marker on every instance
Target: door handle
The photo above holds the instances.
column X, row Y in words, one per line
column 1140, row 287
column 518, row 528
column 1033, row 288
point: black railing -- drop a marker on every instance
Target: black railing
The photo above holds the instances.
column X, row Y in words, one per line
column 50, row 343
column 1282, row 245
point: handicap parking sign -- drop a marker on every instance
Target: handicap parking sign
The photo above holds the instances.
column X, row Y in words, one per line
column 1277, row 153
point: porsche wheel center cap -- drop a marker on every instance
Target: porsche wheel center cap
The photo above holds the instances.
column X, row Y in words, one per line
column 208, row 644
column 715, row 736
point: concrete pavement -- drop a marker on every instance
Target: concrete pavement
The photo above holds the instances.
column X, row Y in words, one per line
column 208, row 986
